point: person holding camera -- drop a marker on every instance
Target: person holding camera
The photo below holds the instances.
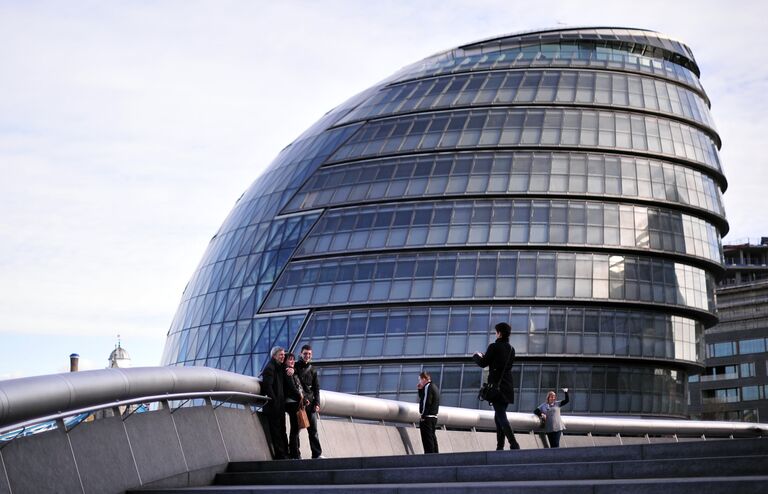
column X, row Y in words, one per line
column 549, row 413
column 499, row 358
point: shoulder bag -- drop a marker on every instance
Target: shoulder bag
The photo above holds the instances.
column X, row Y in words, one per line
column 491, row 392
column 302, row 419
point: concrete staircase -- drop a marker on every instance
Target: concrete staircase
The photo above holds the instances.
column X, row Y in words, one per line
column 737, row 466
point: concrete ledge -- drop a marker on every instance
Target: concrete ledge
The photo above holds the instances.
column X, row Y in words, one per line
column 100, row 447
column 242, row 433
column 4, row 487
column 200, row 437
column 41, row 463
column 155, row 445
column 111, row 455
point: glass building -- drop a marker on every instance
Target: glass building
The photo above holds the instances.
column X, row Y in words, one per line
column 734, row 383
column 567, row 181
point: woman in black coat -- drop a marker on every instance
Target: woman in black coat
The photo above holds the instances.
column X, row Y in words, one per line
column 294, row 399
column 498, row 358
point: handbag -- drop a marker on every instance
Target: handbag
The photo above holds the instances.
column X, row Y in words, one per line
column 491, row 392
column 302, row 419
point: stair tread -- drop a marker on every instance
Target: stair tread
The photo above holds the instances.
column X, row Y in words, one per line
column 685, row 468
column 540, row 463
column 697, row 449
column 742, row 465
column 759, row 480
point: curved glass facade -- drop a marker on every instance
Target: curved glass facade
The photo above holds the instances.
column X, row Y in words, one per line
column 566, row 181
column 519, row 173
column 388, row 333
column 562, row 87
column 532, row 127
column 600, row 388
column 512, row 222
column 453, row 276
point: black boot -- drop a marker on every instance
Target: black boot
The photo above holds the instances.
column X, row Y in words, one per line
column 499, row 440
column 511, row 438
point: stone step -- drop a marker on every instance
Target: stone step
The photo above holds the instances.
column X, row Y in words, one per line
column 695, row 449
column 633, row 469
column 713, row 467
column 708, row 485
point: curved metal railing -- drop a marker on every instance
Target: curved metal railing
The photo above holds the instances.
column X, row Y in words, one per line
column 28, row 401
column 361, row 407
column 31, row 400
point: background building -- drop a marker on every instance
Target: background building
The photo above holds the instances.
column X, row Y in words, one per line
column 566, row 181
column 734, row 385
column 119, row 357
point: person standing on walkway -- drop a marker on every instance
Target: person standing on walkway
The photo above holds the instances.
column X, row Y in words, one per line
column 429, row 403
column 273, row 385
column 294, row 400
column 308, row 377
column 549, row 413
column 499, row 358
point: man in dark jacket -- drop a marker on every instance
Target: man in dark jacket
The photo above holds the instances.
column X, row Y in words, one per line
column 308, row 377
column 272, row 380
column 429, row 403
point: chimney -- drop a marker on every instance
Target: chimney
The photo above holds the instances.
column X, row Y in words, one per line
column 74, row 361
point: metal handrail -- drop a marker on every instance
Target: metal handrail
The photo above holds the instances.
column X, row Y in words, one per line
column 30, row 398
column 26, row 401
column 226, row 396
column 376, row 409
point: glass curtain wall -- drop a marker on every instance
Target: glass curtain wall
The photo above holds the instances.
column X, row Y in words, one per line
column 566, row 181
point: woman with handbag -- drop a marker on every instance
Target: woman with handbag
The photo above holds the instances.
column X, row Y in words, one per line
column 499, row 390
column 294, row 400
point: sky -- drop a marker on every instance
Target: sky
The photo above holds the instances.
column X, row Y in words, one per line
column 128, row 129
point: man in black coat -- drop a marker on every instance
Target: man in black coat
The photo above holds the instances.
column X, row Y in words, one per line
column 429, row 404
column 308, row 377
column 272, row 380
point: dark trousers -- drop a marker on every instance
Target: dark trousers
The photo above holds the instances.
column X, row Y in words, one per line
column 293, row 436
column 277, row 437
column 314, row 440
column 428, row 438
column 553, row 438
column 503, row 429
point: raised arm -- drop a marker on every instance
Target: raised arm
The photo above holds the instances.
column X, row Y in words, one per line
column 483, row 359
